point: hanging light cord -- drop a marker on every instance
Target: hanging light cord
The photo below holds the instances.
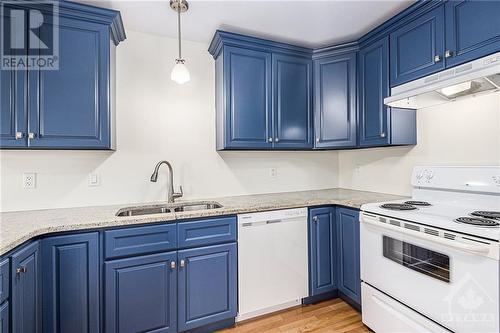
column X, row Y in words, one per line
column 179, row 3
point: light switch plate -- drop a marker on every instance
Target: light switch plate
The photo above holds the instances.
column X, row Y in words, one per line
column 29, row 180
column 94, row 179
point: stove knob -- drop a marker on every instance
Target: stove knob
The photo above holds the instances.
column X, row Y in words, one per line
column 429, row 175
column 420, row 174
column 496, row 180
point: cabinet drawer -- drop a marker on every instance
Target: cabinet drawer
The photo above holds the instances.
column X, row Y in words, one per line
column 4, row 280
column 139, row 240
column 206, row 232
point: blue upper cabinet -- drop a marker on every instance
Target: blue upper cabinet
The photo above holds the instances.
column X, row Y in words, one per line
column 26, row 290
column 348, row 253
column 72, row 106
column 141, row 294
column 472, row 30
column 207, row 285
column 292, row 90
column 417, row 48
column 335, row 101
column 322, row 251
column 70, row 283
column 248, row 117
column 263, row 93
column 373, row 73
column 13, row 119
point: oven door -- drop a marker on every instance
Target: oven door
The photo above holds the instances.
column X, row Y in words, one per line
column 454, row 283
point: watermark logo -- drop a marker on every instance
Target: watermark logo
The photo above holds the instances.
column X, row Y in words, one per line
column 29, row 35
column 470, row 305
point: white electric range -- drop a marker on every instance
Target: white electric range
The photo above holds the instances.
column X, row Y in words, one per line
column 431, row 264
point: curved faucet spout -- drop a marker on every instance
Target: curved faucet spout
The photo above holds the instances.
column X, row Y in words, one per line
column 171, row 195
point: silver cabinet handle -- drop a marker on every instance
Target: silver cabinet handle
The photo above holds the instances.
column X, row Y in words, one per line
column 315, row 219
column 21, row 269
column 317, row 140
column 448, row 54
column 270, row 140
column 31, row 135
column 437, row 58
column 172, row 264
column 19, row 135
column 382, row 135
column 183, row 263
column 276, row 140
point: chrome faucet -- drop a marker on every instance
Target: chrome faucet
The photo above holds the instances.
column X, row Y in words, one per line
column 171, row 195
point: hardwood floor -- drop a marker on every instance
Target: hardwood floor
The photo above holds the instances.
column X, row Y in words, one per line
column 329, row 316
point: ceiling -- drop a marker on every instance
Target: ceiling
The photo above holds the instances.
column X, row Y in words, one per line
column 309, row 23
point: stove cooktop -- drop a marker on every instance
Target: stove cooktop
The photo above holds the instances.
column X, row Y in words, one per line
column 446, row 215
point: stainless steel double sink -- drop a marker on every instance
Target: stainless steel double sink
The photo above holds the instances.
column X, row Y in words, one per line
column 168, row 208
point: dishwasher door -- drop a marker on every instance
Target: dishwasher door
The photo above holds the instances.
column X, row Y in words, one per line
column 272, row 261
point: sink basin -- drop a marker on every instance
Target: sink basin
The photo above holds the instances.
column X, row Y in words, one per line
column 168, row 208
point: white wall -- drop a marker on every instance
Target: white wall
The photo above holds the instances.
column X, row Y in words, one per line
column 158, row 119
column 464, row 132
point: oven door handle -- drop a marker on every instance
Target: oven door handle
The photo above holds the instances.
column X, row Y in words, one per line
column 435, row 239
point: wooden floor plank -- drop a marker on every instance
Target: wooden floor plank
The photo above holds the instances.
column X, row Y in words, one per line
column 332, row 316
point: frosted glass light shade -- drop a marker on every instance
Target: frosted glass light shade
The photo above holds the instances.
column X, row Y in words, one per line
column 180, row 73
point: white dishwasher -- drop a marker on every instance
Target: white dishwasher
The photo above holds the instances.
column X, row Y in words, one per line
column 272, row 261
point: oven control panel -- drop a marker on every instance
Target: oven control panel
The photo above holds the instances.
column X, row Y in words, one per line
column 471, row 179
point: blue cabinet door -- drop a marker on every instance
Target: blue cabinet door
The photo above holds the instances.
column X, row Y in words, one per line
column 4, row 280
column 322, row 251
column 248, row 109
column 141, row 294
column 373, row 88
column 25, row 297
column 417, row 48
column 207, row 285
column 472, row 30
column 292, row 102
column 335, row 101
column 348, row 253
column 13, row 119
column 4, row 318
column 69, row 107
column 70, row 283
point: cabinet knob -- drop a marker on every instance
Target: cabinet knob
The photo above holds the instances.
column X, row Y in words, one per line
column 382, row 135
column 270, row 140
column 21, row 269
column 437, row 58
column 183, row 263
column 31, row 135
column 448, row 54
column 317, row 140
column 172, row 265
column 276, row 140
column 19, row 135
column 315, row 219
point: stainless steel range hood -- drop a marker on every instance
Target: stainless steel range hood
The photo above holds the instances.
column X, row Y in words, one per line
column 472, row 78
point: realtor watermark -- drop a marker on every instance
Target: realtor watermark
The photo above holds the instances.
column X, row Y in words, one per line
column 29, row 35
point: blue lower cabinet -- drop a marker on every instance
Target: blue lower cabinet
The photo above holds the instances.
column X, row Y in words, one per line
column 322, row 251
column 4, row 318
column 26, row 290
column 141, row 294
column 207, row 285
column 70, row 283
column 4, row 280
column 348, row 253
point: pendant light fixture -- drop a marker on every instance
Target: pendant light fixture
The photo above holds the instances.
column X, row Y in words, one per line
column 180, row 73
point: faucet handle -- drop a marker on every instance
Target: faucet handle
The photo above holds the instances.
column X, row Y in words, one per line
column 178, row 194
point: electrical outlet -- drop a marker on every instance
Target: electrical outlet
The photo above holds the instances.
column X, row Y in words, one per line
column 273, row 172
column 29, row 180
column 94, row 179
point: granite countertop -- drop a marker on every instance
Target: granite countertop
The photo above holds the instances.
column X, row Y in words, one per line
column 18, row 227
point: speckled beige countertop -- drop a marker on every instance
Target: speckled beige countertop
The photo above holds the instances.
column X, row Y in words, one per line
column 18, row 227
